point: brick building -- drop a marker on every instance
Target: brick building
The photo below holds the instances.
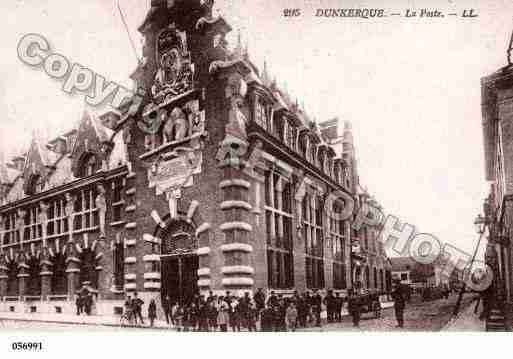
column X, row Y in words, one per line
column 497, row 123
column 218, row 182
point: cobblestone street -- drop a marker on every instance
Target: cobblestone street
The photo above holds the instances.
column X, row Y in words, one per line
column 418, row 316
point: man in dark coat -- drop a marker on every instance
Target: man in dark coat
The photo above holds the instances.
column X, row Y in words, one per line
column 80, row 304
column 316, row 307
column 137, row 304
column 166, row 307
column 329, row 301
column 354, row 308
column 399, row 304
column 338, row 307
column 259, row 299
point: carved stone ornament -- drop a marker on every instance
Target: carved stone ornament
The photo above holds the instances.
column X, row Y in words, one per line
column 175, row 173
column 101, row 204
column 236, row 90
column 175, row 71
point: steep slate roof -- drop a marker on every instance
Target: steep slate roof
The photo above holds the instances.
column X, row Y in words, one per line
column 58, row 166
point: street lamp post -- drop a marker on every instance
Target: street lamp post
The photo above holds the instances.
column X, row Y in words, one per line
column 480, row 224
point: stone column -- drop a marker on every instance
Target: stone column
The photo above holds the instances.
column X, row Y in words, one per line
column 46, row 275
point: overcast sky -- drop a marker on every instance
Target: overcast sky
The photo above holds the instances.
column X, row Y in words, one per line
column 409, row 86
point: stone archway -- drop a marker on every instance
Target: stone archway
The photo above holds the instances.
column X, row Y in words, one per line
column 179, row 261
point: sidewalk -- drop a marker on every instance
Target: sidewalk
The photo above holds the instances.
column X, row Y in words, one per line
column 466, row 321
column 102, row 320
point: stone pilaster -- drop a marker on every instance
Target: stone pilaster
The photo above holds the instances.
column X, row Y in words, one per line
column 22, row 279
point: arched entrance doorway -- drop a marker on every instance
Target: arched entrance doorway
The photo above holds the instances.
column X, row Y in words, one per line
column 179, row 262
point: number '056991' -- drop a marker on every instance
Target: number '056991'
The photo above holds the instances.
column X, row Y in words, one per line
column 24, row 346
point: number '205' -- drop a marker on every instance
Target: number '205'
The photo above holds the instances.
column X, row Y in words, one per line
column 292, row 12
column 27, row 346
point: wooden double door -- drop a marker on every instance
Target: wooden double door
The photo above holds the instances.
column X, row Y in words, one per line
column 179, row 279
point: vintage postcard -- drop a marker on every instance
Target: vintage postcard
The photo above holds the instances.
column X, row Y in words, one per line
column 171, row 166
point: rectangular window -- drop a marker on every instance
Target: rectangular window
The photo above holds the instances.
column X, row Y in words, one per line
column 278, row 214
column 314, row 241
column 117, row 199
column 57, row 219
column 86, row 216
column 11, row 234
column 33, row 229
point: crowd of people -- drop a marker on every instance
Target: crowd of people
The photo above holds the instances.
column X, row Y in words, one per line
column 274, row 312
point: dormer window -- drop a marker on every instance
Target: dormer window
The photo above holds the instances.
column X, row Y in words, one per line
column 260, row 115
column 89, row 165
column 291, row 134
column 278, row 128
column 35, row 185
column 303, row 146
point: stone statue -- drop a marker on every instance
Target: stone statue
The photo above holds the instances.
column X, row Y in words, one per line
column 236, row 91
column 68, row 209
column 20, row 223
column 101, row 204
column 176, row 126
column 43, row 216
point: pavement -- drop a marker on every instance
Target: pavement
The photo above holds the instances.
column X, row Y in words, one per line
column 466, row 321
column 96, row 320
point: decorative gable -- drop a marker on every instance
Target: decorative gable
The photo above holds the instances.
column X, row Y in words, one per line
column 92, row 146
column 38, row 165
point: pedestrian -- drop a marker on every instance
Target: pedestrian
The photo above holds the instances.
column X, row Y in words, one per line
column 234, row 315
column 166, row 307
column 152, row 312
column 338, row 307
column 329, row 301
column 88, row 303
column 266, row 321
column 128, row 309
column 291, row 317
column 259, row 299
column 212, row 313
column 354, row 309
column 302, row 311
column 252, row 317
column 79, row 302
column 178, row 317
column 137, row 304
column 399, row 304
column 223, row 317
column 316, row 307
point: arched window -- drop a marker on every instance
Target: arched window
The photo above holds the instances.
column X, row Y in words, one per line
column 59, row 282
column 34, row 278
column 375, row 278
column 381, row 280
column 12, row 279
column 88, row 165
column 88, row 274
column 367, row 277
